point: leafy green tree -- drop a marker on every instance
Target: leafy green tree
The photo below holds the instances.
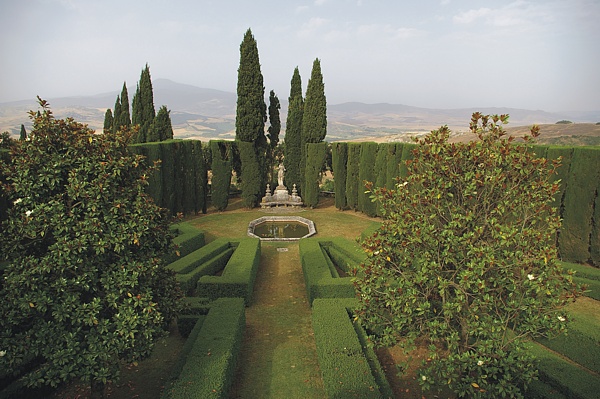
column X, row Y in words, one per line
column 314, row 119
column 108, row 120
column 293, row 133
column 23, row 133
column 143, row 111
column 86, row 289
column 251, row 115
column 465, row 260
column 273, row 132
column 116, row 114
column 315, row 153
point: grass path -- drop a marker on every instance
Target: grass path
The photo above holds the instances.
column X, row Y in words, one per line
column 278, row 357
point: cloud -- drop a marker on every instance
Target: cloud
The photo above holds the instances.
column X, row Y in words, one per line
column 470, row 16
column 387, row 31
column 320, row 2
column 311, row 27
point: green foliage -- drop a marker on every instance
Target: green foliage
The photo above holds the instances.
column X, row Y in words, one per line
column 344, row 365
column 200, row 177
column 23, row 133
column 208, row 368
column 352, row 175
column 393, row 160
column 564, row 122
column 238, row 276
column 124, row 118
column 314, row 121
column 293, row 142
column 273, row 130
column 221, row 173
column 143, row 112
column 108, row 120
column 252, row 183
column 464, row 255
column 315, row 157
column 188, row 239
column 579, row 200
column 161, row 128
column 380, row 167
column 86, row 288
column 339, row 154
column 368, row 156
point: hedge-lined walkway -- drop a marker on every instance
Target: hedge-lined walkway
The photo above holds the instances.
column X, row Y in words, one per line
column 279, row 358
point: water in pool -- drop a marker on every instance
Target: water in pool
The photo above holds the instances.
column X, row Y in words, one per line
column 290, row 229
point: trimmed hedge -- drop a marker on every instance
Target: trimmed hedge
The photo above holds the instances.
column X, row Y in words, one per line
column 221, row 173
column 407, row 154
column 339, row 158
column 188, row 239
column 394, row 158
column 209, row 266
column 321, row 278
column 208, row 360
column 580, row 196
column 368, row 156
column 238, row 275
column 315, row 158
column 566, row 377
column 352, row 172
column 191, row 261
column 350, row 369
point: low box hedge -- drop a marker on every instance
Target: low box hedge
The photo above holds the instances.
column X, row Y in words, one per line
column 211, row 266
column 188, row 239
column 567, row 378
column 207, row 365
column 238, row 275
column 349, row 368
column 321, row 278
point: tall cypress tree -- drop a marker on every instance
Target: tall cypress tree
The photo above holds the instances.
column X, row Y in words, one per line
column 116, row 115
column 162, row 129
column 143, row 111
column 124, row 117
column 251, row 115
column 273, row 131
column 23, row 135
column 108, row 120
column 314, row 120
column 293, row 132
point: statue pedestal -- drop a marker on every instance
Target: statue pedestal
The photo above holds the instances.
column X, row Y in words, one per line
column 281, row 197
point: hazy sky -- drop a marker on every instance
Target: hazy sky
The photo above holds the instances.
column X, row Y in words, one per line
column 538, row 54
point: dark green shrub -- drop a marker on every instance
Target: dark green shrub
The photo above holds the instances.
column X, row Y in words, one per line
column 221, row 173
column 345, row 368
column 562, row 173
column 368, row 155
column 188, row 280
column 352, row 175
column 238, row 275
column 208, row 364
column 200, row 177
column 190, row 261
column 580, row 195
column 315, row 158
column 188, row 239
column 407, row 154
column 339, row 155
column 252, row 178
column 186, row 323
column 394, row 158
column 168, row 174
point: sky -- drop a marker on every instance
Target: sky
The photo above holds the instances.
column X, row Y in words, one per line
column 536, row 54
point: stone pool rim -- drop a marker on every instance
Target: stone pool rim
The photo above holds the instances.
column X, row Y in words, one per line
column 311, row 226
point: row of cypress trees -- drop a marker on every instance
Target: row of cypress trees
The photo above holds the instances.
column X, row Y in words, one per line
column 152, row 126
column 306, row 123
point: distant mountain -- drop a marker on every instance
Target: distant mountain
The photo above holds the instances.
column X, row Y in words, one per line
column 205, row 114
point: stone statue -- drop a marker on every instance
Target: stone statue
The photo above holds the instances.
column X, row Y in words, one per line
column 280, row 175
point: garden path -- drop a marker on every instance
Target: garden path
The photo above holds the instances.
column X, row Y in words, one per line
column 278, row 358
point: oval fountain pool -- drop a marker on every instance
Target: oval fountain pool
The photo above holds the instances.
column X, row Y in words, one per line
column 281, row 228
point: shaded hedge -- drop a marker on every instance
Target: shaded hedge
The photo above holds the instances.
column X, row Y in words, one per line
column 339, row 158
column 221, row 173
column 393, row 160
column 252, row 180
column 368, row 156
column 206, row 368
column 315, row 159
column 352, row 175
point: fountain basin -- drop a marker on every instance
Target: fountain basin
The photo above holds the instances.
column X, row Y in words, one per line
column 281, row 228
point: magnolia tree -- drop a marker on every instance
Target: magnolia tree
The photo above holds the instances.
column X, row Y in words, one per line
column 86, row 289
column 465, row 261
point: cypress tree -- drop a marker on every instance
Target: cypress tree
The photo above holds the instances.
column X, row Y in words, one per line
column 293, row 133
column 251, row 115
column 394, row 157
column 368, row 155
column 273, row 131
column 116, row 115
column 124, row 117
column 352, row 171
column 23, row 134
column 143, row 111
column 339, row 158
column 108, row 120
column 200, row 177
column 315, row 158
column 161, row 128
column 314, row 120
column 221, row 173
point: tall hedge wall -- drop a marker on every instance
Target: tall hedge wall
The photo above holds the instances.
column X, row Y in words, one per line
column 180, row 182
column 352, row 172
column 393, row 160
column 339, row 158
column 221, row 173
column 368, row 155
column 315, row 158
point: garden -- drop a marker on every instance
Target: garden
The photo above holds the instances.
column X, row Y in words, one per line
column 234, row 316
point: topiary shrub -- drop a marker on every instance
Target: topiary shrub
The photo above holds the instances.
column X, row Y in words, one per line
column 315, row 159
column 352, row 175
column 339, row 155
